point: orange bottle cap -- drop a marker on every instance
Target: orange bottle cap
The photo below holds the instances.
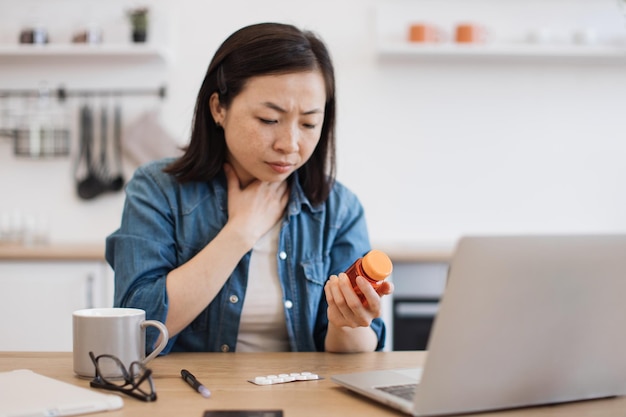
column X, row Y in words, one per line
column 377, row 265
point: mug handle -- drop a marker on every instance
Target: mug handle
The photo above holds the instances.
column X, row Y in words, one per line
column 164, row 338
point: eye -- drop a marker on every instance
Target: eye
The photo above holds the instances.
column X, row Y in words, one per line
column 268, row 121
column 309, row 126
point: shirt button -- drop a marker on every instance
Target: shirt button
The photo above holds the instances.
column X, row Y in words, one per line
column 225, row 348
column 288, row 304
column 233, row 299
column 282, row 255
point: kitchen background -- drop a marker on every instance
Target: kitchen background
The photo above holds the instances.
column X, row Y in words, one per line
column 521, row 134
column 528, row 137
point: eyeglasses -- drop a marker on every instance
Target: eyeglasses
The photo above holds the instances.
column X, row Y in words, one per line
column 135, row 381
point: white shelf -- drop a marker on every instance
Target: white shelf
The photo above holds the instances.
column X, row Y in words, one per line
column 108, row 51
column 520, row 50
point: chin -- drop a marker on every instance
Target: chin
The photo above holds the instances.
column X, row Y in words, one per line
column 274, row 176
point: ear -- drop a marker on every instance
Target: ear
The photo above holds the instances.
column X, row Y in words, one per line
column 217, row 110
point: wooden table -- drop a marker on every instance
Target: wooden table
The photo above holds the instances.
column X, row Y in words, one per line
column 226, row 375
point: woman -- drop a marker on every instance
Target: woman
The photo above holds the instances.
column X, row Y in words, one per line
column 239, row 244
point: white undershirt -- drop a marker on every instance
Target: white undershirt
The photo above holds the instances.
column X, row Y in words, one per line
column 262, row 326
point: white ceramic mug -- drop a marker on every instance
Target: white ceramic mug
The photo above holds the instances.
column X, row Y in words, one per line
column 120, row 332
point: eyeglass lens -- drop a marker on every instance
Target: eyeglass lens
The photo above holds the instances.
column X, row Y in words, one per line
column 112, row 370
column 111, row 374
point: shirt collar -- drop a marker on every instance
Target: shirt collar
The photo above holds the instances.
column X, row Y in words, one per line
column 298, row 198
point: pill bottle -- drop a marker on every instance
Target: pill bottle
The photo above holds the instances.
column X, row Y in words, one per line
column 375, row 266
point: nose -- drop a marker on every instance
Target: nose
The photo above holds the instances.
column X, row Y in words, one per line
column 288, row 139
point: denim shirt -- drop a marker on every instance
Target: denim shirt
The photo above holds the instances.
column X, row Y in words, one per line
column 165, row 224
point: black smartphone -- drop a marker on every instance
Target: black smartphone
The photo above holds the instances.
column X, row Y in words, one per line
column 243, row 413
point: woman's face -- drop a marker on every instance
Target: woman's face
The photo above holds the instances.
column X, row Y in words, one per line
column 273, row 125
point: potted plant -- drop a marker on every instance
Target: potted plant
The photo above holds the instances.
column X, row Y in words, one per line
column 139, row 23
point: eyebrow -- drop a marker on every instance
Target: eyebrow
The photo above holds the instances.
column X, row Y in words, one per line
column 281, row 110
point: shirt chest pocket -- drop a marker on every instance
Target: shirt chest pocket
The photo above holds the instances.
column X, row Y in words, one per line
column 312, row 285
column 314, row 272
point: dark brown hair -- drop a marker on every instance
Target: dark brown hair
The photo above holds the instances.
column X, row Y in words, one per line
column 260, row 49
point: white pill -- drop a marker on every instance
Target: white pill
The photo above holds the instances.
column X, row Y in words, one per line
column 285, row 377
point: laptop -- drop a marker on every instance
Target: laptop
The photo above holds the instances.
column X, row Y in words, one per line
column 524, row 321
column 26, row 393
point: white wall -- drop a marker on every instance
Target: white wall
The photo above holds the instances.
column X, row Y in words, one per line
column 434, row 149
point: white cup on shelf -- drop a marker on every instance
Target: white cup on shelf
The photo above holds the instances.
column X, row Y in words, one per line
column 585, row 36
column 541, row 36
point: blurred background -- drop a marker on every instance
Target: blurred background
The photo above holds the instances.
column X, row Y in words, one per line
column 520, row 133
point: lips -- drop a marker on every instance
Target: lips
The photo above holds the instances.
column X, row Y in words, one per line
column 280, row 167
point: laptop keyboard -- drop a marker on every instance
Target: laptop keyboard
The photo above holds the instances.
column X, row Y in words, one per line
column 406, row 391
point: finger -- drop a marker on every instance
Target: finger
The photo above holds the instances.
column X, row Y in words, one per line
column 284, row 198
column 355, row 312
column 347, row 290
column 372, row 298
column 337, row 300
column 282, row 191
column 279, row 190
column 386, row 288
column 335, row 314
column 328, row 290
column 337, row 294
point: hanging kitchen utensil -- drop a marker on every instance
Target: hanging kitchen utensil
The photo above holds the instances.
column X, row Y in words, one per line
column 117, row 182
column 103, row 166
column 112, row 182
column 98, row 178
column 90, row 186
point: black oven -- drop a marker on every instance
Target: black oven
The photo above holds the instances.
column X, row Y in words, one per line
column 412, row 322
column 418, row 288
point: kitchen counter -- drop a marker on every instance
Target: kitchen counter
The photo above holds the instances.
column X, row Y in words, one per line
column 416, row 252
column 409, row 253
column 52, row 252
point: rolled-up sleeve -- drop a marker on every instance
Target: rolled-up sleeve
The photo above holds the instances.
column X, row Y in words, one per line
column 143, row 251
column 350, row 242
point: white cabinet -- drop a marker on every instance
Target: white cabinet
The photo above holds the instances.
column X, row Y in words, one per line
column 37, row 299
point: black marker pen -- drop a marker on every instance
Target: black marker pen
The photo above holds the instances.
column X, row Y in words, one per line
column 195, row 384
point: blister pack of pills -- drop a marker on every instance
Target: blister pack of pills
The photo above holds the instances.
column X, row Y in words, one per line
column 284, row 378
